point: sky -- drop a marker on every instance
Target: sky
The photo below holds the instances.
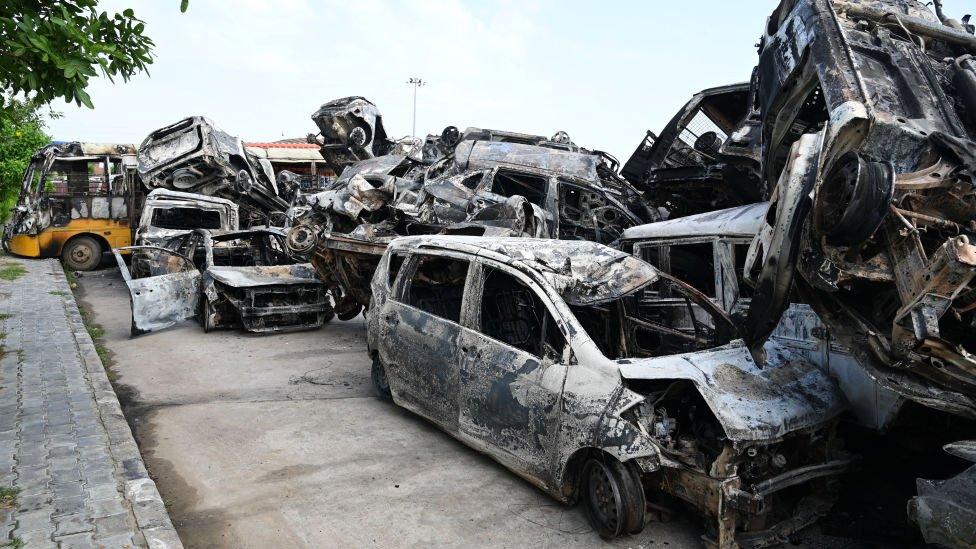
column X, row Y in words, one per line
column 605, row 72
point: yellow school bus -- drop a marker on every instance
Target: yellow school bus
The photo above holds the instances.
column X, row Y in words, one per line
column 77, row 201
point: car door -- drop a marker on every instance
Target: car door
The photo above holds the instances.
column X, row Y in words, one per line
column 421, row 327
column 164, row 286
column 512, row 371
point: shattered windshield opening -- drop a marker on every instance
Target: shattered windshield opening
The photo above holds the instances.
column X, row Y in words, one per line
column 663, row 317
column 250, row 251
column 185, row 219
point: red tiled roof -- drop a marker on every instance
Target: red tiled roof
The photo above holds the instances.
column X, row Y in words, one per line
column 282, row 145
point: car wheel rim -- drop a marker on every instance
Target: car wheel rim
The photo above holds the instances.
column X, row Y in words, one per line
column 81, row 254
column 604, row 495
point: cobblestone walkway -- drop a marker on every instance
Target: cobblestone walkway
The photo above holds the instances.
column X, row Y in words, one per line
column 65, row 447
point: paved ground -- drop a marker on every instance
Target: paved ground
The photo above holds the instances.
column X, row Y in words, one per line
column 65, row 449
column 275, row 441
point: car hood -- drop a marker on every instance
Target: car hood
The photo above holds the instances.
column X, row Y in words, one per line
column 245, row 277
column 787, row 394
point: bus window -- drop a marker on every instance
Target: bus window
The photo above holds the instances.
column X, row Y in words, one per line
column 76, row 178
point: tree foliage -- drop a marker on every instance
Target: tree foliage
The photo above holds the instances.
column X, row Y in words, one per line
column 51, row 48
column 21, row 133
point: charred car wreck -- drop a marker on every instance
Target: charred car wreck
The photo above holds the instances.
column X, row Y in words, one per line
column 706, row 158
column 195, row 156
column 869, row 116
column 868, row 121
column 242, row 279
column 490, row 183
column 598, row 378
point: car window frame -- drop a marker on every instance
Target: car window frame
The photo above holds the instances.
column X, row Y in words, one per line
column 408, row 269
column 471, row 316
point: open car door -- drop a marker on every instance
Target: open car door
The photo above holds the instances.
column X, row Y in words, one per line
column 164, row 287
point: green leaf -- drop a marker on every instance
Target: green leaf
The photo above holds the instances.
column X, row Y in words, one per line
column 184, row 4
column 82, row 95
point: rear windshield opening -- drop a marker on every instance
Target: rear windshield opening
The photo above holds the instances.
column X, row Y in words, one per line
column 185, row 219
column 532, row 187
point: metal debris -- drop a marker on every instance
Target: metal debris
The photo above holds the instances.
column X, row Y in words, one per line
column 476, row 182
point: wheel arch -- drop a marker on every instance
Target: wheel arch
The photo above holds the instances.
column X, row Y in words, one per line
column 570, row 477
column 102, row 241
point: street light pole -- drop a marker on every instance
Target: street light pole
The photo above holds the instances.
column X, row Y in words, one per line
column 416, row 82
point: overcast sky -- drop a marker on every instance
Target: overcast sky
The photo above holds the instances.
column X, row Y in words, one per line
column 605, row 72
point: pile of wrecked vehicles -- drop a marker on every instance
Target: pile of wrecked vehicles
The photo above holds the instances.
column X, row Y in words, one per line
column 769, row 301
column 784, row 273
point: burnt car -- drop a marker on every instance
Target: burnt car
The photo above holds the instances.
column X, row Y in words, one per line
column 351, row 130
column 243, row 279
column 167, row 214
column 193, row 155
column 492, row 183
column 706, row 158
column 596, row 377
column 869, row 162
column 869, row 158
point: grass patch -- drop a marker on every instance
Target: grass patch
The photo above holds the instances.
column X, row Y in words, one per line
column 12, row 271
column 15, row 543
column 5, row 316
column 61, row 293
column 8, row 496
column 96, row 333
column 72, row 279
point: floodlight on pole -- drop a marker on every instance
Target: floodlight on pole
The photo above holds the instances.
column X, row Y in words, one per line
column 416, row 82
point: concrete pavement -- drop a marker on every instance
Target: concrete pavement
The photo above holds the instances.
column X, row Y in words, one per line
column 70, row 470
column 278, row 441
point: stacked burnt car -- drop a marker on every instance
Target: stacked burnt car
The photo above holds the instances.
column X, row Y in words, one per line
column 833, row 198
column 858, row 127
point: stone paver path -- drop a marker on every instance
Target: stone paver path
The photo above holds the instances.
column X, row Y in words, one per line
column 65, row 447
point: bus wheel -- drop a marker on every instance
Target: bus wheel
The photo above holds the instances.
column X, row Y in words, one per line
column 81, row 253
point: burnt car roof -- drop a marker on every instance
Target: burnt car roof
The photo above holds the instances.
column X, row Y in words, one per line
column 475, row 155
column 582, row 272
column 742, row 221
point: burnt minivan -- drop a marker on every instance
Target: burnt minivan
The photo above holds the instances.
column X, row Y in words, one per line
column 599, row 378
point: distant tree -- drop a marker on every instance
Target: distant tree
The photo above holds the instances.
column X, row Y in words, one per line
column 50, row 48
column 21, row 133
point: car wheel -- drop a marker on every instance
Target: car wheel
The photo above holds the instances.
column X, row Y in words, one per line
column 81, row 254
column 380, row 383
column 613, row 497
column 206, row 315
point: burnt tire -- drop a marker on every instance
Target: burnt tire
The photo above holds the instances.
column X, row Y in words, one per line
column 380, row 384
column 613, row 497
column 206, row 315
column 82, row 253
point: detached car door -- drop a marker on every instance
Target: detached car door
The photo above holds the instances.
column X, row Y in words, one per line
column 164, row 287
column 421, row 329
column 512, row 372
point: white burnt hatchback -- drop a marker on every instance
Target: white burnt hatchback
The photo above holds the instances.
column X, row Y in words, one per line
column 598, row 378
